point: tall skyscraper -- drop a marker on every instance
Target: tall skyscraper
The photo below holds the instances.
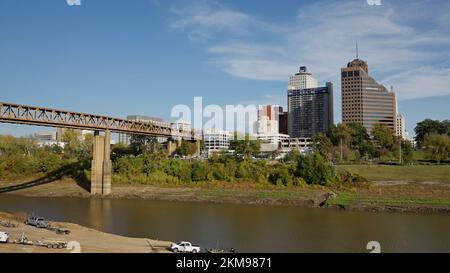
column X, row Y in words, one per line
column 310, row 111
column 365, row 101
column 302, row 80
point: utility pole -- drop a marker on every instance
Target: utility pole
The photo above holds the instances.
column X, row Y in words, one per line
column 341, row 148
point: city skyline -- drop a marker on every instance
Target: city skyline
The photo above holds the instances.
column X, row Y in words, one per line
column 60, row 56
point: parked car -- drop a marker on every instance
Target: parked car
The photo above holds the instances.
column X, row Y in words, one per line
column 4, row 237
column 37, row 222
column 185, row 247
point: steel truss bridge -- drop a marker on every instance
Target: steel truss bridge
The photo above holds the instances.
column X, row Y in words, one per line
column 101, row 162
column 31, row 115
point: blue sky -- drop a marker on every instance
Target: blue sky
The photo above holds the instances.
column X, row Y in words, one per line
column 120, row 57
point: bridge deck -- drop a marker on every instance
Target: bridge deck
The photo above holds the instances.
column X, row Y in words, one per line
column 31, row 115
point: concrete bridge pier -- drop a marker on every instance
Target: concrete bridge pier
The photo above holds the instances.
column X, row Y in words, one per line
column 101, row 164
column 172, row 145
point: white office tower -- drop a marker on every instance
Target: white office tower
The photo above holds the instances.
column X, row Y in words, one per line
column 216, row 140
column 400, row 129
column 302, row 80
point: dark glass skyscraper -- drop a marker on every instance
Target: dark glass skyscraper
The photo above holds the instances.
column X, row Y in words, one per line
column 310, row 111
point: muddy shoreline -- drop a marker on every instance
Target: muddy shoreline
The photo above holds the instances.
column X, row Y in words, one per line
column 306, row 198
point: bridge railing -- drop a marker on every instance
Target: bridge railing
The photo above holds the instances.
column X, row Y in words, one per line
column 22, row 114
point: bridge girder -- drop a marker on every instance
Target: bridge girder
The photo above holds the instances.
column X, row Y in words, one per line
column 30, row 115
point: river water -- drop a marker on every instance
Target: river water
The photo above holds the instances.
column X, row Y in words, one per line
column 247, row 228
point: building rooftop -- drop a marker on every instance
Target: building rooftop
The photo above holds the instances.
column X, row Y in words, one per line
column 303, row 70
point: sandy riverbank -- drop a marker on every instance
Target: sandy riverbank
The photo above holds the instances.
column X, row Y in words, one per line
column 90, row 240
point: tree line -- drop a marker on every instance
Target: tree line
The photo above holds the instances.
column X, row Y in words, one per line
column 146, row 161
column 352, row 143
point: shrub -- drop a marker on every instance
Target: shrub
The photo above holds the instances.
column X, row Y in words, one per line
column 50, row 163
column 244, row 170
column 178, row 168
column 219, row 172
column 349, row 177
column 199, row 171
column 315, row 170
column 281, row 174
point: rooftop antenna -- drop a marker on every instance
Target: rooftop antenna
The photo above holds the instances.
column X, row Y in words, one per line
column 357, row 49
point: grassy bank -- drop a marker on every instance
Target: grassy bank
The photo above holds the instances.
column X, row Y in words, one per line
column 281, row 194
column 419, row 173
column 351, row 199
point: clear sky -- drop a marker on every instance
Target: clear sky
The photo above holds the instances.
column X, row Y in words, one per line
column 121, row 57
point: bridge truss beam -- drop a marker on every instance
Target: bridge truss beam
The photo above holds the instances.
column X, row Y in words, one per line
column 22, row 114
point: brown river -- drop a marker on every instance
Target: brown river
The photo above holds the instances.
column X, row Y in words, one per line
column 247, row 228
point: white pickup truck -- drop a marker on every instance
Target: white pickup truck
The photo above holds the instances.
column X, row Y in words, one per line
column 185, row 247
column 4, row 237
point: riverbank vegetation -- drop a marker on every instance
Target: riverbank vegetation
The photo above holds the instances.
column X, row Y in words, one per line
column 295, row 170
column 335, row 161
column 351, row 143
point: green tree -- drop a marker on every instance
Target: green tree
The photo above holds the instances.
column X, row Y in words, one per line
column 292, row 156
column 71, row 135
column 407, row 152
column 10, row 145
column 219, row 172
column 429, row 126
column 140, row 144
column 245, row 147
column 314, row 169
column 341, row 132
column 437, row 146
column 383, row 136
column 322, row 144
column 244, row 170
column 200, row 171
column 120, row 150
column 446, row 124
column 178, row 168
column 360, row 139
column 75, row 146
column 281, row 175
column 187, row 148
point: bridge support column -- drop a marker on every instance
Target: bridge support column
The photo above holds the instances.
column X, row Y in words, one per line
column 101, row 165
column 172, row 145
column 107, row 165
